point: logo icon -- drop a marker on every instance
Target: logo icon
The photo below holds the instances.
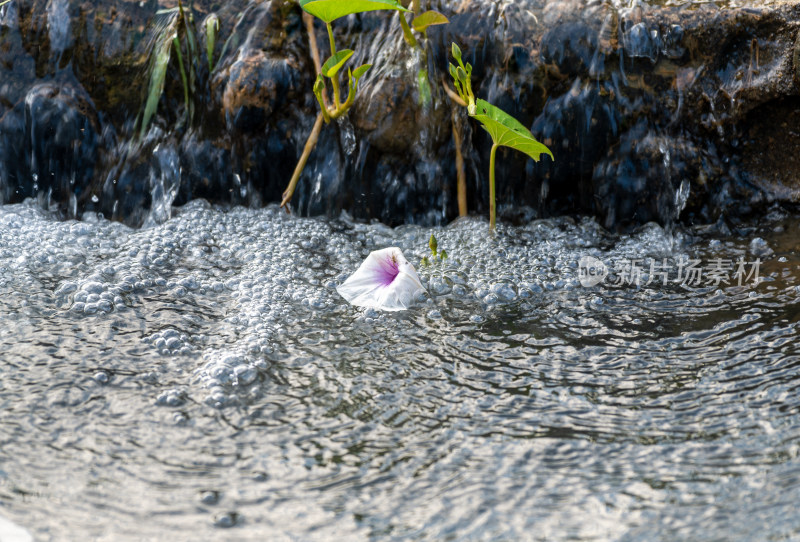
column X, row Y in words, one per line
column 591, row 271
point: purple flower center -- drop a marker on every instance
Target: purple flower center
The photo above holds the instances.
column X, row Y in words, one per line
column 388, row 271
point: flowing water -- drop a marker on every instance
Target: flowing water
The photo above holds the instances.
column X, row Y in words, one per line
column 201, row 379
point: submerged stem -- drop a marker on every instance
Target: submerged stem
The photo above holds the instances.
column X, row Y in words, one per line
column 492, row 206
column 311, row 142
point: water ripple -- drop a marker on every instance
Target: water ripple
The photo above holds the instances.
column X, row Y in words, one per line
column 217, row 380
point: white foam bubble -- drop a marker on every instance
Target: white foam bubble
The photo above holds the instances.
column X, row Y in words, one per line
column 226, row 289
column 10, row 532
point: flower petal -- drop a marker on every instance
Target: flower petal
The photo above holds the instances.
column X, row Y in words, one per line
column 385, row 281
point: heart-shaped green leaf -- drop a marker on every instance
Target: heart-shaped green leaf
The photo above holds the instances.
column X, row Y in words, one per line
column 429, row 18
column 508, row 131
column 335, row 62
column 330, row 10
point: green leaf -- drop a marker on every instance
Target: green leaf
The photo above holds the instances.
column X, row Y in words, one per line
column 462, row 79
column 360, row 71
column 425, row 93
column 457, row 53
column 177, row 45
column 319, row 86
column 429, row 18
column 158, row 73
column 453, row 72
column 508, row 131
column 211, row 25
column 330, row 10
column 192, row 53
column 433, row 244
column 335, row 62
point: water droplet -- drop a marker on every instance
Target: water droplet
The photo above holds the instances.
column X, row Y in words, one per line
column 209, row 497
column 227, row 520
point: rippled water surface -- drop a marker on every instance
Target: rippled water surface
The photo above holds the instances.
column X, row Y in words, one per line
column 202, row 380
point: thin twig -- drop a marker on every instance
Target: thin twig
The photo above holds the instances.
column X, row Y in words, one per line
column 310, row 144
column 461, row 175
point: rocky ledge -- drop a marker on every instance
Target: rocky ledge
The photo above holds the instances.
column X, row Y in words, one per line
column 652, row 113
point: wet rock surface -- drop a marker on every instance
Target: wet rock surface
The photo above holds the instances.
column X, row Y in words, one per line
column 52, row 144
column 652, row 112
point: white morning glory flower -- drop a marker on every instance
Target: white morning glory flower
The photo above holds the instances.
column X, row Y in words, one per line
column 385, row 281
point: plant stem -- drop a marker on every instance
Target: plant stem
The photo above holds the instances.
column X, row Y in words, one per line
column 311, row 142
column 335, row 79
column 312, row 43
column 492, row 206
column 330, row 38
column 461, row 175
column 410, row 39
column 453, row 96
column 345, row 107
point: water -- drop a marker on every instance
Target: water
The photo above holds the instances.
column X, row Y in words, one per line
column 200, row 379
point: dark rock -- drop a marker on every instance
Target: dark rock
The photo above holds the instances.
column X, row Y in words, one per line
column 49, row 144
column 569, row 47
column 578, row 127
column 206, row 170
column 771, row 148
column 257, row 87
column 391, row 117
column 640, row 179
column 642, row 105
